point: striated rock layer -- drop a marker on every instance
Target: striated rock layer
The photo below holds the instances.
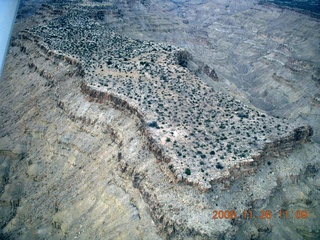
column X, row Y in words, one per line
column 202, row 135
column 82, row 157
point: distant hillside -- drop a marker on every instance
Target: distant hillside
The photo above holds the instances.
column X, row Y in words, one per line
column 311, row 6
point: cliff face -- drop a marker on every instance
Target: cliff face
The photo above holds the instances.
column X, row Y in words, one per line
column 271, row 63
column 201, row 143
column 281, row 147
column 56, row 164
column 80, row 160
column 275, row 148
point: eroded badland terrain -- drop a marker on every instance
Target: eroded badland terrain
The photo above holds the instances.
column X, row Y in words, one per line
column 138, row 119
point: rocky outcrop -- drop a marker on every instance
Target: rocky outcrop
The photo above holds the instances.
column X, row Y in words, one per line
column 276, row 148
column 225, row 171
column 282, row 147
column 105, row 148
column 185, row 59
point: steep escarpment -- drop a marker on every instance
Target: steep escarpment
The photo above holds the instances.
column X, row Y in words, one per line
column 84, row 169
column 88, row 145
column 277, row 147
column 56, row 166
column 133, row 161
column 271, row 62
column 150, row 81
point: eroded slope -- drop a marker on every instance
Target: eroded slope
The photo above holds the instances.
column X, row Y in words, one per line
column 203, row 135
column 73, row 161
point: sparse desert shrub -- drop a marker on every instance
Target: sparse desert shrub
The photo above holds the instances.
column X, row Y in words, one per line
column 219, row 166
column 242, row 115
column 153, row 124
column 203, row 156
column 182, row 57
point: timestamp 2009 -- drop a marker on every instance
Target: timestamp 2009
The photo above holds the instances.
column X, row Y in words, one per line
column 262, row 214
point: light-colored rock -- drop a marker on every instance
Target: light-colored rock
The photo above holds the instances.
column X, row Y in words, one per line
column 75, row 164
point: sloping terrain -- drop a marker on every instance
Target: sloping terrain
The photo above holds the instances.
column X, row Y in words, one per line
column 92, row 124
column 203, row 135
column 265, row 56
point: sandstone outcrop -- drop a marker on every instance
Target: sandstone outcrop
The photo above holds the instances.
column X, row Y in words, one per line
column 216, row 129
column 80, row 112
